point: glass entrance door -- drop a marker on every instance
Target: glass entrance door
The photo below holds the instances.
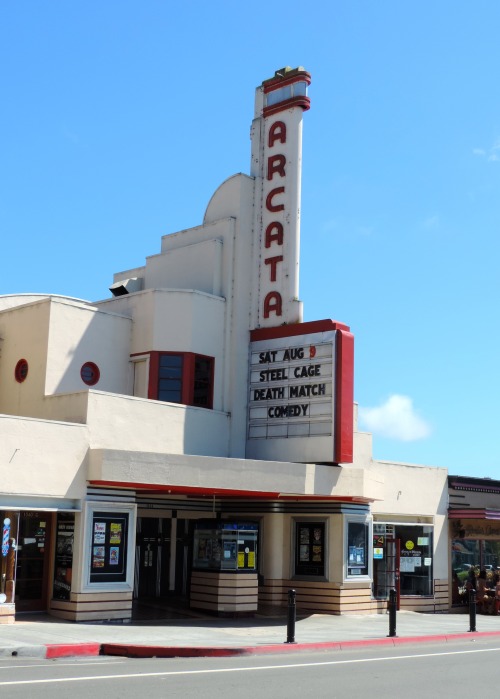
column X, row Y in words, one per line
column 153, row 556
column 386, row 574
column 32, row 561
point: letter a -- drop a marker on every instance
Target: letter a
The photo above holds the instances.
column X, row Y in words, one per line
column 277, row 132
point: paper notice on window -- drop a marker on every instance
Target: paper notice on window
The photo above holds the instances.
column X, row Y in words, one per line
column 407, row 565
column 427, row 561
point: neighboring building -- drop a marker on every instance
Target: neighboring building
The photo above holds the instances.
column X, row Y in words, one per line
column 192, row 436
column 474, row 528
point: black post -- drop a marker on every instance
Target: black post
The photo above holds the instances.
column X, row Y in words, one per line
column 472, row 610
column 292, row 608
column 392, row 606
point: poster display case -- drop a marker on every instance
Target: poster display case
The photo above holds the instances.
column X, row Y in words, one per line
column 225, row 546
column 108, row 559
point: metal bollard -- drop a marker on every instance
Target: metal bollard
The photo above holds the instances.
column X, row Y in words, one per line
column 292, row 611
column 392, row 606
column 472, row 610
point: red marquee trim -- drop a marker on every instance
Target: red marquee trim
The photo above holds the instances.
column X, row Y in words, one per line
column 313, row 326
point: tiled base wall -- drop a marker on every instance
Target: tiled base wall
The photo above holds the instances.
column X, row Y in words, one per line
column 332, row 598
column 224, row 593
column 93, row 607
column 7, row 613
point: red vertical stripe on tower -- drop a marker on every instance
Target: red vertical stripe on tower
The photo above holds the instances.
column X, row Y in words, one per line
column 344, row 398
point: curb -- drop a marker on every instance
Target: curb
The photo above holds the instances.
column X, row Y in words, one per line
column 51, row 651
column 141, row 651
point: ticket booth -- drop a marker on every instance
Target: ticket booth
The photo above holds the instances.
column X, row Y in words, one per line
column 225, row 563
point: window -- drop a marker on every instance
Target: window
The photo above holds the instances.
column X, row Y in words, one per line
column 182, row 377
column 310, row 548
column 357, row 552
column 90, row 373
column 170, row 378
column 21, row 370
column 202, row 392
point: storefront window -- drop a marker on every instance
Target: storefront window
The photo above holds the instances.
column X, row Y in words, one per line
column 310, row 548
column 357, row 537
column 472, row 554
column 404, row 552
column 63, row 563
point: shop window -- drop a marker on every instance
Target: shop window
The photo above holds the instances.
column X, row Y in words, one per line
column 404, row 552
column 357, row 532
column 182, row 377
column 63, row 559
column 475, row 553
column 310, row 556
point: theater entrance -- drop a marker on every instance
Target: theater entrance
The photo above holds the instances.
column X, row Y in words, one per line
column 162, row 566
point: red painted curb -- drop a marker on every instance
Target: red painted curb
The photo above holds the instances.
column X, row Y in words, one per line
column 133, row 651
column 65, row 650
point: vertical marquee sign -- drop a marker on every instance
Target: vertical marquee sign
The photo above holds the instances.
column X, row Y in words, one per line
column 301, row 393
column 276, row 166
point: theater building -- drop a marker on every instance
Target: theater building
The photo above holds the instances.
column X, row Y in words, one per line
column 192, row 438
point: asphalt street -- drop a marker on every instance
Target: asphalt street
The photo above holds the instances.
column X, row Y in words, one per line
column 414, row 671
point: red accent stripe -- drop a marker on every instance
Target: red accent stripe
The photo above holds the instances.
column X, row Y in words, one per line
column 314, row 326
column 185, row 489
column 150, row 488
column 474, row 514
column 344, row 398
column 277, row 82
column 299, row 101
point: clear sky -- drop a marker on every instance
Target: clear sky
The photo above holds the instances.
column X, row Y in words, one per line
column 120, row 118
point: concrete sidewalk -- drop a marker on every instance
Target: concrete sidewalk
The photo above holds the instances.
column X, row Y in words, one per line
column 46, row 637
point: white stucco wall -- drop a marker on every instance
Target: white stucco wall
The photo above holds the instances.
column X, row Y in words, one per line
column 24, row 332
column 42, row 458
column 197, row 266
column 137, row 424
column 80, row 334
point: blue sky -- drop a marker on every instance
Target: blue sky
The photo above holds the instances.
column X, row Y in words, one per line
column 119, row 119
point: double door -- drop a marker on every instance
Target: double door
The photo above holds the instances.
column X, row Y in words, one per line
column 162, row 557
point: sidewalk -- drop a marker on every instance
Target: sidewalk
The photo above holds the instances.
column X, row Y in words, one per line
column 46, row 637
